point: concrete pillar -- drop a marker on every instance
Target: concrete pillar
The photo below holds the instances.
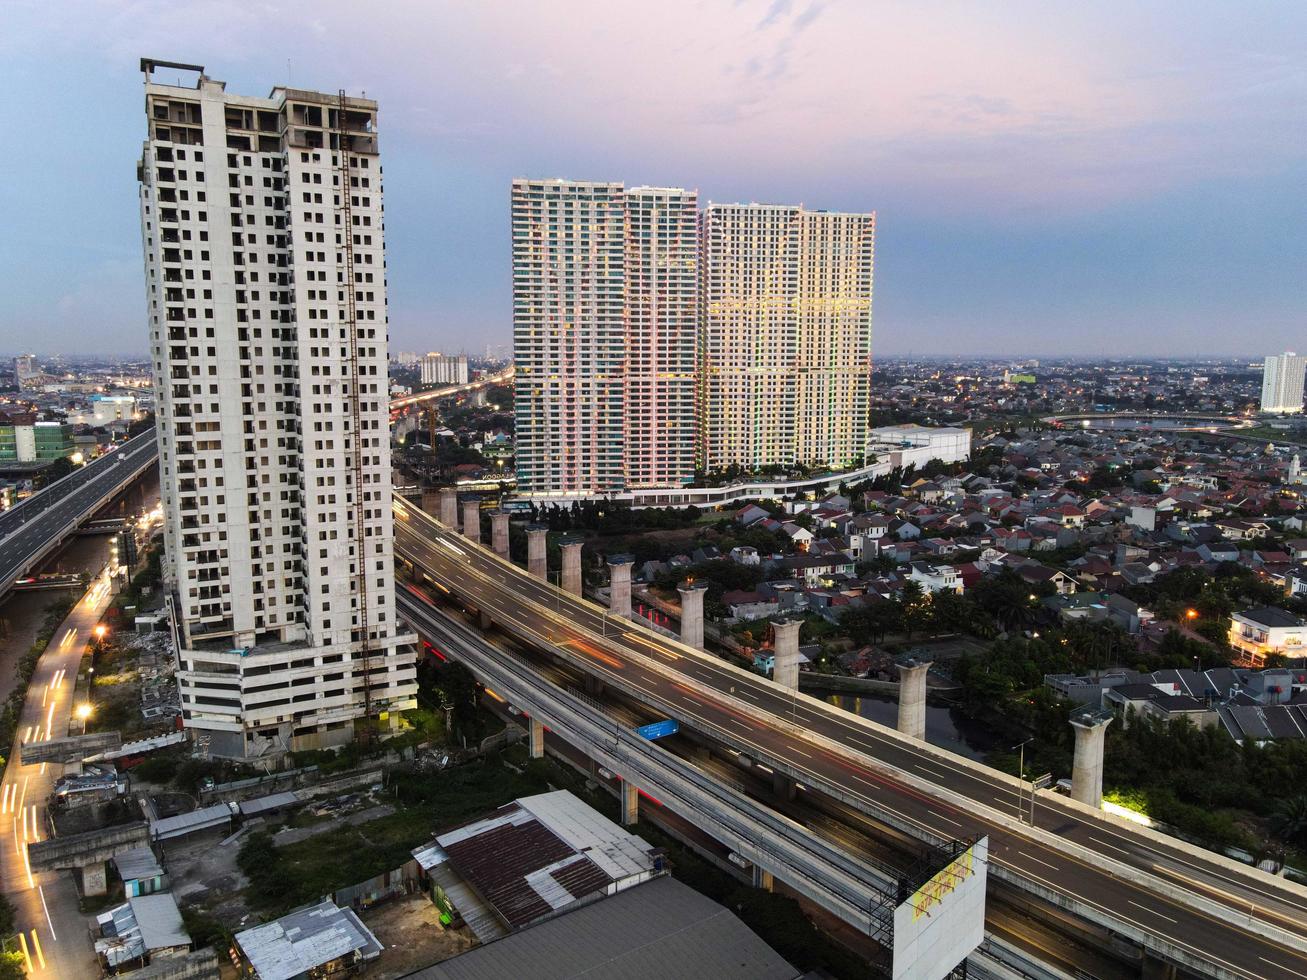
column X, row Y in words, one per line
column 537, row 559
column 785, row 644
column 912, row 697
column 1087, row 766
column 449, row 507
column 499, row 532
column 763, row 879
column 619, row 584
column 536, row 739
column 630, row 803
column 783, row 786
column 692, row 613
column 472, row 519
column 571, row 577
column 94, row 880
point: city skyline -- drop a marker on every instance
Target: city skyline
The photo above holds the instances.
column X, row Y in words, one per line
column 1037, row 194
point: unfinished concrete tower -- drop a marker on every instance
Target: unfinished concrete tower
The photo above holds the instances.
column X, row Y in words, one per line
column 449, row 507
column 472, row 519
column 619, row 584
column 691, row 593
column 785, row 634
column 571, row 575
column 537, row 561
column 499, row 532
column 912, row 696
column 1087, row 766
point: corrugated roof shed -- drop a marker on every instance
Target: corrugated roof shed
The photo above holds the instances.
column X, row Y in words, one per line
column 160, row 921
column 656, row 931
column 264, row 804
column 305, row 939
column 139, row 862
column 188, row 823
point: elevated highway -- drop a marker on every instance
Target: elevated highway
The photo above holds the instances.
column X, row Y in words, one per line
column 489, row 381
column 1183, row 905
column 34, row 528
column 827, row 875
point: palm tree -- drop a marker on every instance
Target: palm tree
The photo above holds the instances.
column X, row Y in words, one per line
column 1289, row 821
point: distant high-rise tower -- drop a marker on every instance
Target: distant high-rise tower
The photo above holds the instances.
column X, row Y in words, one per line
column 444, row 369
column 785, row 336
column 604, row 313
column 26, row 370
column 1282, row 382
column 262, row 226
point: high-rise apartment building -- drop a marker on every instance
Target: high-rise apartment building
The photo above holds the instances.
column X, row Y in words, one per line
column 263, row 232
column 785, row 336
column 26, row 370
column 1282, row 382
column 604, row 313
column 444, row 369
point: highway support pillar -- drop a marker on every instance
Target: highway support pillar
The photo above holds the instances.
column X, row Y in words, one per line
column 593, row 686
column 782, row 786
column 449, row 508
column 1155, row 969
column 1087, row 765
column 571, row 577
column 537, row 559
column 912, row 696
column 94, row 879
column 785, row 647
column 499, row 532
column 472, row 519
column 536, row 739
column 763, row 879
column 692, row 613
column 630, row 804
column 619, row 584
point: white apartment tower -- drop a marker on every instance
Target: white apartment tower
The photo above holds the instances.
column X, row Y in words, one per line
column 263, row 232
column 604, row 315
column 785, row 336
column 1282, row 382
column 444, row 369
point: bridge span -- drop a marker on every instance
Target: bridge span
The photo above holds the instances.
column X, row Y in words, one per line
column 34, row 528
column 1183, row 905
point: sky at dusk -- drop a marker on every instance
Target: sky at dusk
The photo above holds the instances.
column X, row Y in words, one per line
column 1049, row 178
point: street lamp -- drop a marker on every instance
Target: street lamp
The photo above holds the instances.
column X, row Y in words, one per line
column 84, row 711
column 1021, row 779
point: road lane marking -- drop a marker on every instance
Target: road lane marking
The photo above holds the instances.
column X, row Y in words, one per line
column 1151, row 910
column 48, row 920
column 1281, row 966
column 740, row 724
column 799, row 751
column 1106, row 844
column 940, row 816
column 1031, row 857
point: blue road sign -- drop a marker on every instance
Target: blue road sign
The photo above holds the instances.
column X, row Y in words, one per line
column 658, row 729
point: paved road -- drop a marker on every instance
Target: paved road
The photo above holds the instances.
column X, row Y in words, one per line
column 501, row 377
column 510, row 596
column 38, row 522
column 55, row 936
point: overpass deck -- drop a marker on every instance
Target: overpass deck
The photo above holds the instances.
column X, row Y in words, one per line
column 1198, row 909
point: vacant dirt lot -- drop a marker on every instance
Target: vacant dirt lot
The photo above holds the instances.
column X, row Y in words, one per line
column 409, row 930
